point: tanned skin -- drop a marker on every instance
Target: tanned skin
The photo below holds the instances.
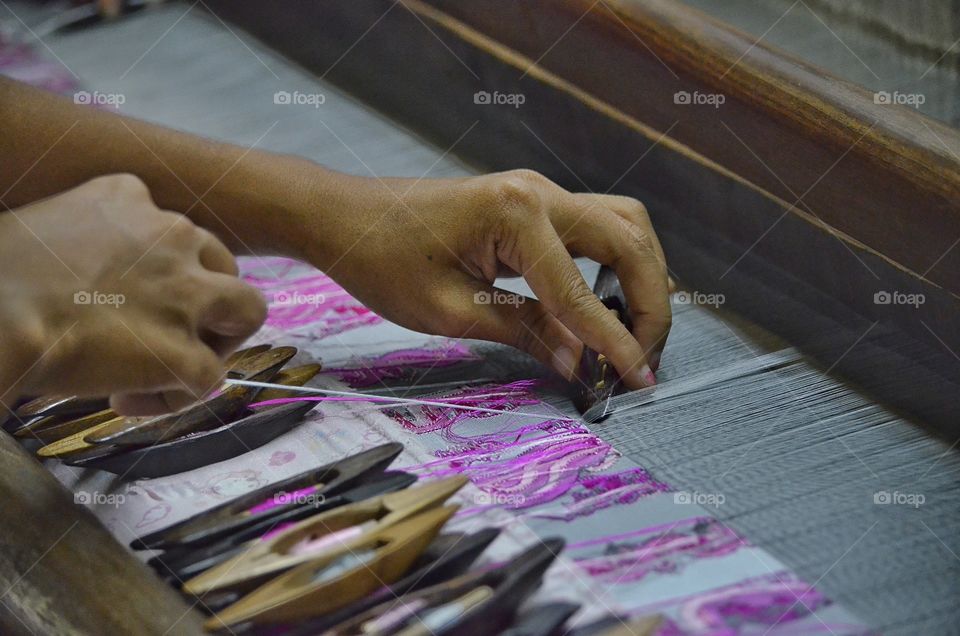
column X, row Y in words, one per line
column 91, row 201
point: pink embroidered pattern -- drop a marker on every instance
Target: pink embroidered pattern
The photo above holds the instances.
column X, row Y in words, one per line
column 301, row 298
column 667, row 551
column 403, row 363
column 595, row 493
column 517, row 466
column 428, row 419
column 761, row 602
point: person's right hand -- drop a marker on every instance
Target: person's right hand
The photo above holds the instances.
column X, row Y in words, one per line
column 104, row 293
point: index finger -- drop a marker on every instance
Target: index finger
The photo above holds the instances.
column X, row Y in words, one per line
column 549, row 269
column 616, row 231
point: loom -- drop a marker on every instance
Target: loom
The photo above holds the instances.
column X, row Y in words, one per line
column 791, row 385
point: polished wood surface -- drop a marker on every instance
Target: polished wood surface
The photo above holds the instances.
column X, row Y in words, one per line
column 70, row 576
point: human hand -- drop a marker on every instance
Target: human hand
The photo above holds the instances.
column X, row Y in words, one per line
column 104, row 293
column 434, row 248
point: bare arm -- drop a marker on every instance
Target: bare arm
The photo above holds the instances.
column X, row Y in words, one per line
column 437, row 245
column 245, row 197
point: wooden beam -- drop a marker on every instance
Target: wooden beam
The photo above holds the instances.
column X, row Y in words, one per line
column 884, row 177
column 62, row 572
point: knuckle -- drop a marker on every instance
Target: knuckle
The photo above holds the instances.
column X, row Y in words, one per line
column 125, row 184
column 638, row 210
column 113, row 186
column 157, row 265
column 574, row 299
column 520, row 189
column 640, row 242
column 632, row 209
column 170, row 233
column 531, row 177
column 176, row 228
column 515, row 193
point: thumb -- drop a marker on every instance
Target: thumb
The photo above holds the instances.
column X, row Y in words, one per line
column 522, row 322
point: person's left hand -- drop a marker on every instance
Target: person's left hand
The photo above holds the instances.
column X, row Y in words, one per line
column 424, row 254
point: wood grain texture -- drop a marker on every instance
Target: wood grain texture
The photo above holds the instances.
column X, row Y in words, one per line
column 71, row 576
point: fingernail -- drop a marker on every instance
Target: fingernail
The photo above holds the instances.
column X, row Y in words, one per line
column 643, row 377
column 565, row 362
column 655, row 360
column 648, row 376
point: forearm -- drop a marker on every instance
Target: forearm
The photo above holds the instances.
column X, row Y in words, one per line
column 253, row 200
column 437, row 245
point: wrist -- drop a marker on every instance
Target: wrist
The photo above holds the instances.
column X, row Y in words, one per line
column 333, row 212
column 257, row 205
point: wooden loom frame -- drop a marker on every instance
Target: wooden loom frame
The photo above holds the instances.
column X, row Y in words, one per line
column 599, row 82
column 819, row 196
